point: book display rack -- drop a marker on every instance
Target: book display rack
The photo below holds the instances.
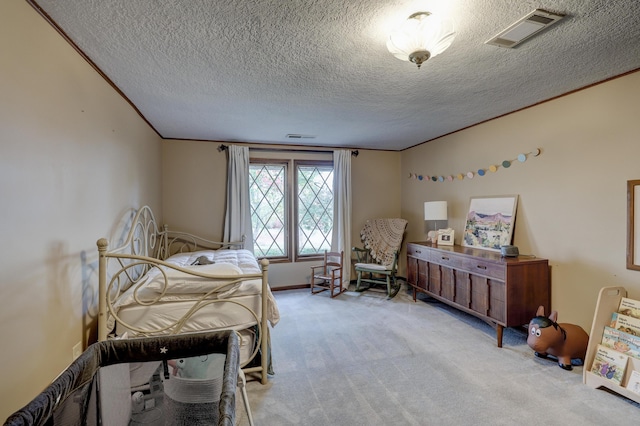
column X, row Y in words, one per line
column 611, row 361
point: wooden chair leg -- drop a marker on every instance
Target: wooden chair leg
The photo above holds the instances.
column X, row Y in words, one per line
column 341, row 287
column 313, row 285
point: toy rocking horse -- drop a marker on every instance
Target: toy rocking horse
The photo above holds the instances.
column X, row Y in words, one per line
column 563, row 341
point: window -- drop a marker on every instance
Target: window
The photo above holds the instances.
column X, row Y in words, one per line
column 314, row 207
column 267, row 191
column 291, row 217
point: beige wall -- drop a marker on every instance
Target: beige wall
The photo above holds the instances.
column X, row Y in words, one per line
column 194, row 190
column 194, row 178
column 573, row 205
column 74, row 157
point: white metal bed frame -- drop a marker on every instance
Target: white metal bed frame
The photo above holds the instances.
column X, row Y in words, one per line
column 146, row 247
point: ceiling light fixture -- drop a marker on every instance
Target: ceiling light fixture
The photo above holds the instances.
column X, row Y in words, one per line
column 422, row 36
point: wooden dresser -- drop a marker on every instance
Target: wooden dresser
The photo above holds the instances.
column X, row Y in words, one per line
column 503, row 291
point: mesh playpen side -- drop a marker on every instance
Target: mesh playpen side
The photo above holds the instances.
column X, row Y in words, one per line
column 179, row 379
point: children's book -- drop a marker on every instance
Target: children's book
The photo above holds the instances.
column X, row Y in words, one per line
column 609, row 363
column 625, row 323
column 634, row 382
column 629, row 307
column 621, row 341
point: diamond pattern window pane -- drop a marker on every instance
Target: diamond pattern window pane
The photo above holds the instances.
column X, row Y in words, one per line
column 315, row 208
column 267, row 185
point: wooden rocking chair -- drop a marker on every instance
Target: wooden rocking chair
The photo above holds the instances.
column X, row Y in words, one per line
column 377, row 263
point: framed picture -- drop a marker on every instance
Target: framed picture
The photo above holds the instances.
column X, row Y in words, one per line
column 633, row 217
column 445, row 237
column 490, row 222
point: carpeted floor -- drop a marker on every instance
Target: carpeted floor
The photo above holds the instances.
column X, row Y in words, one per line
column 360, row 359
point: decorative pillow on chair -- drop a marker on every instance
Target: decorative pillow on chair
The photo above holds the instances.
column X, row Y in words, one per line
column 375, row 266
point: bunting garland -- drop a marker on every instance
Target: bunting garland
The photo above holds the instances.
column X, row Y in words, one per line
column 480, row 172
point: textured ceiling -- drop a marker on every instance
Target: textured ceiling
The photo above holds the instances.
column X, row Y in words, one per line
column 257, row 70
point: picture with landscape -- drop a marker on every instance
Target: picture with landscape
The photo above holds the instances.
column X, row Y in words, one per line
column 490, row 222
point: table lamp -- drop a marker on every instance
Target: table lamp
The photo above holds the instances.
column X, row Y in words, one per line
column 435, row 211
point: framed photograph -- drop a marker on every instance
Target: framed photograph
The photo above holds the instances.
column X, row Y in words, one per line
column 633, row 217
column 445, row 237
column 490, row 222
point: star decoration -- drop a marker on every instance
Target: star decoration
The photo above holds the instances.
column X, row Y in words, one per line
column 164, row 350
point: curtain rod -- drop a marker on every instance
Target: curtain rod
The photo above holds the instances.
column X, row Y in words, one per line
column 223, row 147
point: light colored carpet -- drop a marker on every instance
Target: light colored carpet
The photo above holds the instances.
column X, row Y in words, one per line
column 360, row 359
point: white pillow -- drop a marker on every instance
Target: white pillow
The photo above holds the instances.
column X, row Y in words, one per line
column 182, row 282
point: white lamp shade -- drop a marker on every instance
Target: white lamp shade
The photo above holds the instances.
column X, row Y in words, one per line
column 422, row 31
column 435, row 210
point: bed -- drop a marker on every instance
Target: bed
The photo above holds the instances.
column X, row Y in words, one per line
column 162, row 282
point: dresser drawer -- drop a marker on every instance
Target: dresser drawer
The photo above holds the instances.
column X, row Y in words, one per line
column 482, row 267
column 418, row 251
column 445, row 259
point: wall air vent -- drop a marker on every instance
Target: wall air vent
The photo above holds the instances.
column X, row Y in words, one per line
column 298, row 136
column 525, row 28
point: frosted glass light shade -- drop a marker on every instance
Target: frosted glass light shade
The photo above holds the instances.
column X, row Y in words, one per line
column 422, row 36
column 435, row 210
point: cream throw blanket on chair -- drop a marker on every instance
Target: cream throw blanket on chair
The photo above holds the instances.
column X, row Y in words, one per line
column 383, row 238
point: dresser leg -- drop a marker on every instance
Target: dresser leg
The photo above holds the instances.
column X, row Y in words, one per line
column 499, row 330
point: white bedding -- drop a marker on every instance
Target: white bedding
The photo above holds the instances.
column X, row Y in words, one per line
column 182, row 282
column 177, row 299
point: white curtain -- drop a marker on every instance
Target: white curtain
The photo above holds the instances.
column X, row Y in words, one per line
column 341, row 237
column 237, row 220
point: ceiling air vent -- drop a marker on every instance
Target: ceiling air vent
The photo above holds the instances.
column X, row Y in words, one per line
column 525, row 28
column 298, row 136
